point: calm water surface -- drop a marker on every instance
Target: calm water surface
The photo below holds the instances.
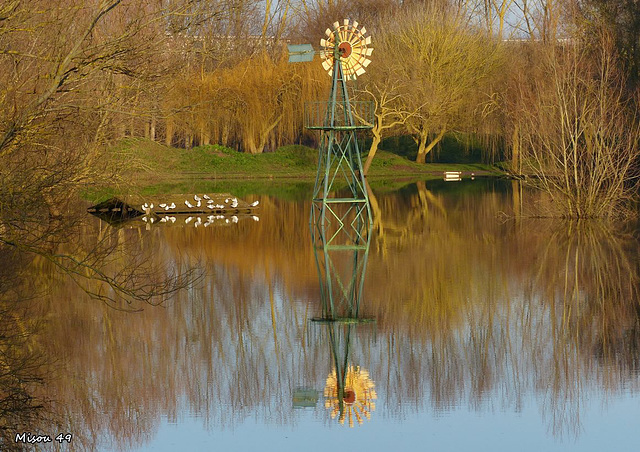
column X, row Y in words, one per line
column 489, row 331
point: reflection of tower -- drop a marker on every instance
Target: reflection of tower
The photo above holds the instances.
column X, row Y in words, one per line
column 347, row 215
column 349, row 392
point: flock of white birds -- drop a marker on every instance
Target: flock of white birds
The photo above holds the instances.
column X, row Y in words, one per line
column 229, row 203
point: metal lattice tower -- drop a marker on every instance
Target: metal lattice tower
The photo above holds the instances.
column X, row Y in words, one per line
column 341, row 213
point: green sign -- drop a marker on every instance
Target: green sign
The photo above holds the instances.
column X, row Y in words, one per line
column 300, row 53
column 305, row 398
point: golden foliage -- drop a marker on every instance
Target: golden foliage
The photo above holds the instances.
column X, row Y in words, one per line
column 254, row 104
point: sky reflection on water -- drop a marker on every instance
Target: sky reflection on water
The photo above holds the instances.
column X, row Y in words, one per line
column 608, row 428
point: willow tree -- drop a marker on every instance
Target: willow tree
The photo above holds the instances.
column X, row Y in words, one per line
column 446, row 66
column 265, row 90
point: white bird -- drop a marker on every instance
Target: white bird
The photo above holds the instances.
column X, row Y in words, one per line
column 151, row 219
column 197, row 198
column 151, row 206
column 227, row 220
column 172, row 206
column 255, row 218
column 162, row 205
column 253, row 204
column 189, row 205
column 206, row 196
column 144, row 219
column 234, row 203
column 198, row 222
column 145, row 206
column 188, row 220
column 198, row 203
column 163, row 220
column 234, row 219
column 173, row 219
column 226, row 201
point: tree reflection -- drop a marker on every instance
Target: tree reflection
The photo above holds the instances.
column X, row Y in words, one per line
column 591, row 303
column 23, row 364
column 497, row 311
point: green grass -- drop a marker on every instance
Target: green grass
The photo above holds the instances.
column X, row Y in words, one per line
column 147, row 167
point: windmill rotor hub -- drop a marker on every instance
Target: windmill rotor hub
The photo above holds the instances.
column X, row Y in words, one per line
column 349, row 396
column 345, row 49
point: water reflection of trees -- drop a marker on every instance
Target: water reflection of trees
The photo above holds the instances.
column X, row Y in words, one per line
column 499, row 310
column 471, row 311
column 23, row 364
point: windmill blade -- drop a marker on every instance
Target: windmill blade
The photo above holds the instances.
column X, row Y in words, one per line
column 327, row 65
column 336, row 25
column 347, row 67
column 353, row 31
column 368, row 51
column 366, row 62
column 367, row 41
column 328, row 32
column 325, row 43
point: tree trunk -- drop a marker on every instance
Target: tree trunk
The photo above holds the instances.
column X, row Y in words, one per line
column 423, row 147
column 224, row 134
column 264, row 136
column 250, row 145
column 168, row 139
column 205, row 136
column 515, row 150
column 152, row 132
column 121, row 127
column 377, row 137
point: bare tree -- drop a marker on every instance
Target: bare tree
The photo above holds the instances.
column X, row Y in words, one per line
column 445, row 67
column 581, row 139
column 64, row 68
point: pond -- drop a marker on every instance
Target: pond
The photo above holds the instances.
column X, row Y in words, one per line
column 479, row 328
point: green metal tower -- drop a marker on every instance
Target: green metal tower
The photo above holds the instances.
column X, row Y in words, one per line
column 341, row 213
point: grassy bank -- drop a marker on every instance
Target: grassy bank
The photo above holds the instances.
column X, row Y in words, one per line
column 148, row 167
column 150, row 159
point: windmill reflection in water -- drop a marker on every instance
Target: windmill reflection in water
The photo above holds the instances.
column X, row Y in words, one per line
column 349, row 393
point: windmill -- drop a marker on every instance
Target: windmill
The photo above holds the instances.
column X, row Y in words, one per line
column 341, row 214
column 344, row 218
